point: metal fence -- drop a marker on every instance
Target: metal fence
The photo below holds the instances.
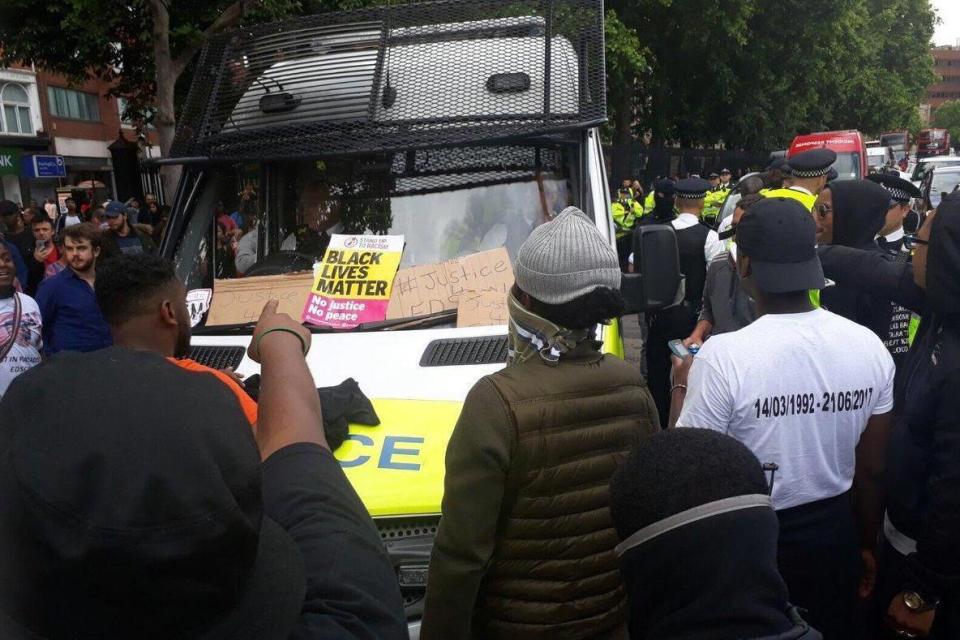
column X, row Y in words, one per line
column 638, row 161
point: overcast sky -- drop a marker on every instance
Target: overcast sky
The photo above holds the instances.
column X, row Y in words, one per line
column 948, row 31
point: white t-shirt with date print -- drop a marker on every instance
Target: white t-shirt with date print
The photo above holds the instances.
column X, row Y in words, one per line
column 25, row 353
column 797, row 389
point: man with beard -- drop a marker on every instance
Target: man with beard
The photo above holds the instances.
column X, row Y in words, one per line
column 146, row 307
column 71, row 318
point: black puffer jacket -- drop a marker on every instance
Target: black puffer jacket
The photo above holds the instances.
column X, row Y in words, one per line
column 924, row 463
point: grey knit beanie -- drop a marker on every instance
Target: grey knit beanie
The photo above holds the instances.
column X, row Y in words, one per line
column 566, row 258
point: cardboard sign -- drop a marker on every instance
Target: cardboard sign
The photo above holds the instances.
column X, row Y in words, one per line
column 353, row 281
column 426, row 289
column 198, row 302
column 482, row 309
column 241, row 300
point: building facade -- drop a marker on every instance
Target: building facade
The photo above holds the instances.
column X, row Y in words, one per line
column 946, row 64
column 60, row 139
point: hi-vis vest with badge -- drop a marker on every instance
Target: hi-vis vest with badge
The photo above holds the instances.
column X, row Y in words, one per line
column 804, row 198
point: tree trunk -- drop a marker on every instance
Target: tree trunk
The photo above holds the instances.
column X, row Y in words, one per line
column 167, row 74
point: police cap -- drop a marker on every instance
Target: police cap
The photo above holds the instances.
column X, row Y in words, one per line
column 812, row 164
column 900, row 190
column 693, row 188
column 714, row 174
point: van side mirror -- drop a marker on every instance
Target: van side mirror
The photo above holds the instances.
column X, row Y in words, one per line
column 657, row 282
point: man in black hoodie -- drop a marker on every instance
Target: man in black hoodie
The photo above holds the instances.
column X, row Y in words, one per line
column 919, row 580
column 850, row 213
column 699, row 542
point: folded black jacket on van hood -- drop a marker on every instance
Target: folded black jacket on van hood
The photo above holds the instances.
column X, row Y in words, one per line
column 713, row 579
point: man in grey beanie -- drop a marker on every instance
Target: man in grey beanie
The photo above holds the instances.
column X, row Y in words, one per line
column 526, row 544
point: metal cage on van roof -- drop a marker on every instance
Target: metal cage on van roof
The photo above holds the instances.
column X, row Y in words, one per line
column 398, row 77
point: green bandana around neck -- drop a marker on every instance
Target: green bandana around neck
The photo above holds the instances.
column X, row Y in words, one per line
column 529, row 334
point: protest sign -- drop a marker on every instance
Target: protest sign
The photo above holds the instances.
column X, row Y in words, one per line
column 353, row 281
column 482, row 309
column 241, row 300
column 426, row 289
column 198, row 303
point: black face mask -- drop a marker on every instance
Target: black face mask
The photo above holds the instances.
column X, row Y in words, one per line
column 912, row 221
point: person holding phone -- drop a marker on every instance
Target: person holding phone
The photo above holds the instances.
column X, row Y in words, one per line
column 43, row 253
column 808, row 391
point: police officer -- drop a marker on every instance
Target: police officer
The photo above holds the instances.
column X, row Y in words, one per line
column 714, row 180
column 891, row 238
column 697, row 245
column 725, row 180
column 626, row 211
column 807, row 178
column 901, row 193
column 775, row 173
column 714, row 200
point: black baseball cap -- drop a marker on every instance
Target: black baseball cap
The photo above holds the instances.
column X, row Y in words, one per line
column 780, row 238
column 136, row 513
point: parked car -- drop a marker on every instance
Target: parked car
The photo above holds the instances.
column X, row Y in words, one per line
column 937, row 182
column 925, row 165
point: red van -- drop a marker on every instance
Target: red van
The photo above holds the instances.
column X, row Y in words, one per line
column 851, row 153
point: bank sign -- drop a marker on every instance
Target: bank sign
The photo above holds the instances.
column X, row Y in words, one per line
column 44, row 167
column 9, row 162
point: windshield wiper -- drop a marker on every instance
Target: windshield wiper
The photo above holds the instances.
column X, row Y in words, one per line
column 420, row 322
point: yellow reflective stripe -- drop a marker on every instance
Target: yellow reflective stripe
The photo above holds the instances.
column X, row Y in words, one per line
column 912, row 328
column 613, row 340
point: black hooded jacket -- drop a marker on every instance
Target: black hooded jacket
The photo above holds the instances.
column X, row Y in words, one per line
column 859, row 208
column 717, row 579
column 924, row 450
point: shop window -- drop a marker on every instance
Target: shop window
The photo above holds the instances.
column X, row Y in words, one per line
column 15, row 109
column 76, row 105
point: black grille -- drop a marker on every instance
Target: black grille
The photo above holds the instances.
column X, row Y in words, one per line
column 408, row 542
column 403, row 76
column 463, row 351
column 218, row 357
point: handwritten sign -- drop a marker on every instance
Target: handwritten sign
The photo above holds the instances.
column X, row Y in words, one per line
column 426, row 289
column 353, row 281
column 482, row 309
column 241, row 300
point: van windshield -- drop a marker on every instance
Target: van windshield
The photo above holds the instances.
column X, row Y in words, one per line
column 847, row 166
column 275, row 218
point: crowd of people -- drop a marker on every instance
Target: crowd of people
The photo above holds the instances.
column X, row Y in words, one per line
column 789, row 467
